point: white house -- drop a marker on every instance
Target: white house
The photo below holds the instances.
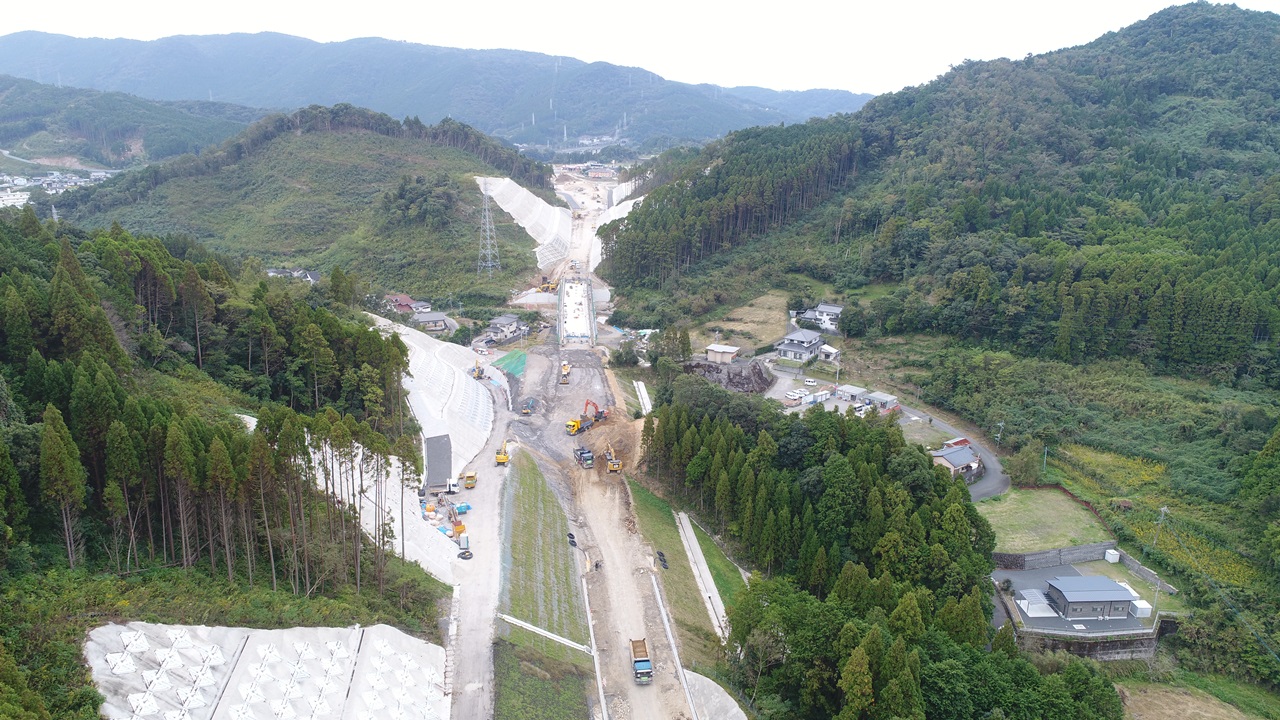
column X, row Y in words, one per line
column 504, row 326
column 431, row 321
column 825, row 315
column 800, row 345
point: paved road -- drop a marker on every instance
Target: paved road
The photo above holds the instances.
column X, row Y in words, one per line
column 994, row 482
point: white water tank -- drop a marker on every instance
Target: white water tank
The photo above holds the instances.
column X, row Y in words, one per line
column 1112, row 555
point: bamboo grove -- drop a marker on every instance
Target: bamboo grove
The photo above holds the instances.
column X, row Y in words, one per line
column 133, row 468
column 873, row 599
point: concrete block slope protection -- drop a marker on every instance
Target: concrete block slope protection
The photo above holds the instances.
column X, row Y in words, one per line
column 549, row 226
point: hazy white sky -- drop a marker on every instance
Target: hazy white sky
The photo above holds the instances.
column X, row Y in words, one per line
column 847, row 44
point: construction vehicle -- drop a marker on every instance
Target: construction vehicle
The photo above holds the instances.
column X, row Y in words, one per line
column 584, row 423
column 564, row 373
column 477, row 372
column 528, row 407
column 548, row 286
column 641, row 665
column 613, row 463
column 450, row 486
column 468, row 480
column 502, row 457
column 584, row 457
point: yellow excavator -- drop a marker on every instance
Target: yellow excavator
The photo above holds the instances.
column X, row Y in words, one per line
column 502, row 457
column 613, row 463
column 477, row 372
column 564, row 373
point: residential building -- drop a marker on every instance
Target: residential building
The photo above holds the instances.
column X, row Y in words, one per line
column 802, row 345
column 959, row 460
column 420, row 306
column 824, row 315
column 722, row 354
column 828, row 353
column 504, row 326
column 431, row 321
column 1092, row 597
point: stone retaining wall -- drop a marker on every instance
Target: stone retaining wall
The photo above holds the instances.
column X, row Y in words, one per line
column 1050, row 558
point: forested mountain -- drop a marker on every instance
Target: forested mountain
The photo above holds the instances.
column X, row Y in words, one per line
column 1075, row 222
column 525, row 97
column 1115, row 199
column 129, row 490
column 319, row 187
column 110, row 129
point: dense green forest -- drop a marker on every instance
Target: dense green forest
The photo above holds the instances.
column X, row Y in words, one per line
column 395, row 201
column 128, row 488
column 522, row 96
column 110, row 129
column 1111, row 200
column 1078, row 223
column 874, row 600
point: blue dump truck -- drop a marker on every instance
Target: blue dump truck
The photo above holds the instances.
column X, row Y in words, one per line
column 641, row 665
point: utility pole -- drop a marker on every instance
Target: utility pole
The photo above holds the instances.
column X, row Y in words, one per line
column 1044, row 464
column 488, row 259
column 1001, row 433
column 1155, row 612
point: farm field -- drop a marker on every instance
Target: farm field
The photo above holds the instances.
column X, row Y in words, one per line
column 759, row 322
column 1032, row 520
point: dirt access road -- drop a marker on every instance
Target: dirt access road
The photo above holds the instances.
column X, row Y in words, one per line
column 618, row 563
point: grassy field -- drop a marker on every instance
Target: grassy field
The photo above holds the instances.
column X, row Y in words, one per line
column 762, row 320
column 542, row 586
column 1031, row 520
column 723, row 572
column 698, row 641
column 532, row 686
column 1155, row 701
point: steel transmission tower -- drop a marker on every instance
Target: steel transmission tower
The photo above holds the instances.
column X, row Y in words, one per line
column 488, row 260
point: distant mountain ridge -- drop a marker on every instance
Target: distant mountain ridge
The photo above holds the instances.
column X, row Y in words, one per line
column 110, row 129
column 520, row 96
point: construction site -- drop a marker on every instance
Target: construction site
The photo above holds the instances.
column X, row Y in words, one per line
column 524, row 509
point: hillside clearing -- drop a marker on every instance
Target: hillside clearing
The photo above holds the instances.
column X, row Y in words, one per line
column 1031, row 520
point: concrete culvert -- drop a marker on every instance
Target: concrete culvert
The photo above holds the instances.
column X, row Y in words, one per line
column 465, row 555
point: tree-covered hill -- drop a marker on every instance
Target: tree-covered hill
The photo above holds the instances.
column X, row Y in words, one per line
column 1114, row 199
column 1078, row 223
column 128, row 488
column 525, row 97
column 108, row 129
column 394, row 201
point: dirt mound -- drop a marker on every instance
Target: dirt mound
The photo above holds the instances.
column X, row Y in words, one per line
column 752, row 377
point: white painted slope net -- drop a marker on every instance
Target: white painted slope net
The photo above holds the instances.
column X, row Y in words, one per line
column 181, row 672
column 549, row 226
column 446, row 400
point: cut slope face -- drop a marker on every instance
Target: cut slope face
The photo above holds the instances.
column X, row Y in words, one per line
column 549, row 226
column 198, row 673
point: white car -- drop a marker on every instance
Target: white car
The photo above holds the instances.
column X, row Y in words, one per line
column 810, row 381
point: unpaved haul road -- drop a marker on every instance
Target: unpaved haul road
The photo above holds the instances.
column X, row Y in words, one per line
column 621, row 592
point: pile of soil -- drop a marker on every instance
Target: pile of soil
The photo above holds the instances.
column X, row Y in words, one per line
column 751, row 377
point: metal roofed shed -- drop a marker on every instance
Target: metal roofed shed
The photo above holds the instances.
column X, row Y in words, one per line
column 722, row 354
column 1089, row 596
column 852, row 393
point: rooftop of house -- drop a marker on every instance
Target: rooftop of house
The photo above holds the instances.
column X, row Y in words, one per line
column 829, row 308
column 429, row 317
column 722, row 348
column 504, row 319
column 956, row 456
column 804, row 337
column 1090, row 588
